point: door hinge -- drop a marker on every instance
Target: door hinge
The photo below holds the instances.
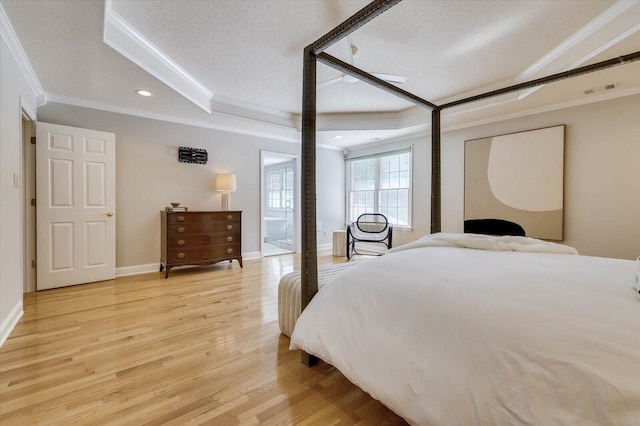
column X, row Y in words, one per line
column 33, row 202
column 33, row 140
column 33, row 263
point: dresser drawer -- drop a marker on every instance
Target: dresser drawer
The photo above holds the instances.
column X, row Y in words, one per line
column 202, row 240
column 202, row 228
column 191, row 254
column 203, row 217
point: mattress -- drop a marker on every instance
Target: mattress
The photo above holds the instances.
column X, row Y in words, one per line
column 289, row 299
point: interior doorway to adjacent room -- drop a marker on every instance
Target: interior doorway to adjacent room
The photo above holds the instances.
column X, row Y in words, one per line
column 279, row 201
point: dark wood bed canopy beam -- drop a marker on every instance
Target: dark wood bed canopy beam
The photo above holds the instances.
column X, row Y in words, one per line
column 364, row 76
column 361, row 17
column 315, row 52
column 599, row 66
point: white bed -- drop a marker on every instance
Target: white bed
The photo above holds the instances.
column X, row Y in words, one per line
column 446, row 335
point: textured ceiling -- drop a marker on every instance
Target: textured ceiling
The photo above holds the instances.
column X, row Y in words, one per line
column 249, row 53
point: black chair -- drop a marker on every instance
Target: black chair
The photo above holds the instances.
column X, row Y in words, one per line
column 493, row 227
column 369, row 228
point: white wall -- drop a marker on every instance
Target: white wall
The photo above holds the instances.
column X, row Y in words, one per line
column 602, row 175
column 149, row 177
column 14, row 94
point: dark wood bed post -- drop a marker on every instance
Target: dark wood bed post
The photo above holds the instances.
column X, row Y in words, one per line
column 309, row 266
column 309, row 275
column 436, row 177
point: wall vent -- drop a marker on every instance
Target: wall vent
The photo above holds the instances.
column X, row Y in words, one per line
column 604, row 88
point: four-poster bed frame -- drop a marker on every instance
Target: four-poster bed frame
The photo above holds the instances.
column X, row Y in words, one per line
column 314, row 53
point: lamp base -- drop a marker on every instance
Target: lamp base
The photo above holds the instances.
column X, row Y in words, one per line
column 225, row 201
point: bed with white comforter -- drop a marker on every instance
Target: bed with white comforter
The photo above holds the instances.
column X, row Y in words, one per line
column 463, row 329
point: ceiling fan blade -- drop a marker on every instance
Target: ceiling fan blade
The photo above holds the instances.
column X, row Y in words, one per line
column 331, row 81
column 390, row 77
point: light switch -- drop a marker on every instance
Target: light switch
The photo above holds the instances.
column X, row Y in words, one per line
column 16, row 180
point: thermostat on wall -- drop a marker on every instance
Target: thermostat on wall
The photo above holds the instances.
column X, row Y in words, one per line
column 192, row 155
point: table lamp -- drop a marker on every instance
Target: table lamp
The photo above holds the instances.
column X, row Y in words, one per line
column 225, row 183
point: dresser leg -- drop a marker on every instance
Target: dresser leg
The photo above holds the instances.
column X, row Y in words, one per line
column 240, row 262
column 166, row 273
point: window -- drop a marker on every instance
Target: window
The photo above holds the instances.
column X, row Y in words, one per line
column 380, row 183
column 280, row 188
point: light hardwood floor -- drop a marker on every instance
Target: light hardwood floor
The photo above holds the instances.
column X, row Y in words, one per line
column 202, row 347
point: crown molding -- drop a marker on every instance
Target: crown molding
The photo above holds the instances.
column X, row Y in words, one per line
column 15, row 47
column 235, row 103
column 129, row 42
column 598, row 23
column 224, row 122
column 547, row 108
column 425, row 130
column 589, row 55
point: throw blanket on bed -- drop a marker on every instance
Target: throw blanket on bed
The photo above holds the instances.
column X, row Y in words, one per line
column 452, row 336
column 487, row 242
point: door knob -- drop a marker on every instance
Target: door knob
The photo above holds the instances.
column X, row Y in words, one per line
column 108, row 214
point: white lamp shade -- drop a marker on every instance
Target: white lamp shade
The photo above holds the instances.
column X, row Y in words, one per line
column 226, row 183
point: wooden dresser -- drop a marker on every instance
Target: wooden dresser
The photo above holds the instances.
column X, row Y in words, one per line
column 200, row 238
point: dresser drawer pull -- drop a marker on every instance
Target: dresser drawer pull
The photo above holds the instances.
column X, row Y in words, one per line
column 180, row 242
column 229, row 238
column 180, row 218
column 229, row 250
column 181, row 255
column 229, row 217
column 181, row 229
column 229, row 227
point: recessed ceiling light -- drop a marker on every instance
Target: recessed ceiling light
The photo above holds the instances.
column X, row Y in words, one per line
column 143, row 92
column 337, row 137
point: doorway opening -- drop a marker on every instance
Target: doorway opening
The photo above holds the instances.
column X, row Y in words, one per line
column 279, row 176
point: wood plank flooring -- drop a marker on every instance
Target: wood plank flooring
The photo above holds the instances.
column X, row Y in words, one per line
column 202, row 347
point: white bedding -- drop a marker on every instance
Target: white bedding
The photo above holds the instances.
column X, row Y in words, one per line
column 457, row 336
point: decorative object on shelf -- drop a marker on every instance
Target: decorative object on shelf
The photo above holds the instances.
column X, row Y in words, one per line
column 225, row 183
column 192, row 155
column 175, row 207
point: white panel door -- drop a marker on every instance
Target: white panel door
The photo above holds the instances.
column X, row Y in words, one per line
column 75, row 207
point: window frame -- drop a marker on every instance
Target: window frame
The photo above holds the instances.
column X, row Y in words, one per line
column 377, row 186
column 283, row 194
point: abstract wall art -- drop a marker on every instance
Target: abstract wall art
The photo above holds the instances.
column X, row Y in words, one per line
column 517, row 177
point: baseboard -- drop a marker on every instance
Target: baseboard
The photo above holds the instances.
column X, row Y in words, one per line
column 155, row 267
column 10, row 322
column 137, row 269
column 326, row 246
column 251, row 255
